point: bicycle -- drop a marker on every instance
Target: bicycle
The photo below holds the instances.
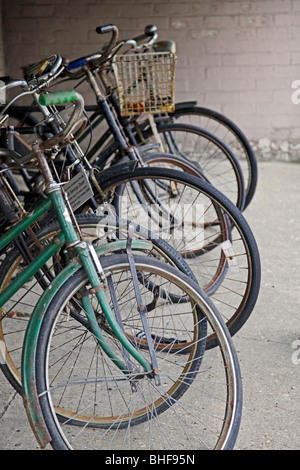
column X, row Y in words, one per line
column 24, row 252
column 222, row 259
column 26, row 248
column 86, row 278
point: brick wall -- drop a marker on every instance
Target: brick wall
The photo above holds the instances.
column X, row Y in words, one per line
column 2, row 68
column 238, row 57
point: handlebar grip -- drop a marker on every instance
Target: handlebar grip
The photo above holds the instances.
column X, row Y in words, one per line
column 58, row 97
column 150, row 29
column 105, row 29
column 76, row 63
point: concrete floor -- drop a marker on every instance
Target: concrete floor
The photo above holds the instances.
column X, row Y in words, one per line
column 267, row 344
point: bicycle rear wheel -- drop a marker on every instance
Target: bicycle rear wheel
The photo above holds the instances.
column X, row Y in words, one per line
column 228, row 132
column 197, row 402
column 202, row 225
column 213, row 158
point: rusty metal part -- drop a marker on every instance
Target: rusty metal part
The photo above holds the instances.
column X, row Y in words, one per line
column 96, row 289
column 142, row 309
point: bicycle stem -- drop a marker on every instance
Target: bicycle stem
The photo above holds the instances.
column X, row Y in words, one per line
column 110, row 119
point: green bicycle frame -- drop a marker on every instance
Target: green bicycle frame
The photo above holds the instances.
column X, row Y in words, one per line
column 68, row 235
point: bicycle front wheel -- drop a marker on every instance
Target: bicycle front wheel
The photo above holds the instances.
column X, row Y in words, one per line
column 16, row 313
column 197, row 401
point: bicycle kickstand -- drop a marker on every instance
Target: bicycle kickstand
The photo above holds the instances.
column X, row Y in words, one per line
column 142, row 309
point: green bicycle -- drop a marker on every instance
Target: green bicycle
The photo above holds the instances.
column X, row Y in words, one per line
column 88, row 377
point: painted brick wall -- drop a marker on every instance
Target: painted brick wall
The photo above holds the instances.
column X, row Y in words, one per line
column 2, row 68
column 238, row 57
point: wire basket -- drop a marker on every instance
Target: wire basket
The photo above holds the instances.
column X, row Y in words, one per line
column 145, row 82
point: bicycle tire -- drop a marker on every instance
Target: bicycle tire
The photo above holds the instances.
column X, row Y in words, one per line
column 106, row 413
column 234, row 287
column 230, row 133
column 16, row 313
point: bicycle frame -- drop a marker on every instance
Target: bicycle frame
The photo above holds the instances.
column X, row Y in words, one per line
column 30, row 396
column 48, row 251
column 85, row 256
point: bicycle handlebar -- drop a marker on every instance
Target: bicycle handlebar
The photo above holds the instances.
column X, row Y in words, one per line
column 97, row 59
column 150, row 31
column 113, row 41
column 60, row 97
column 43, row 71
column 109, row 28
column 60, row 139
column 75, row 64
column 37, row 74
column 37, row 77
column 14, row 83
